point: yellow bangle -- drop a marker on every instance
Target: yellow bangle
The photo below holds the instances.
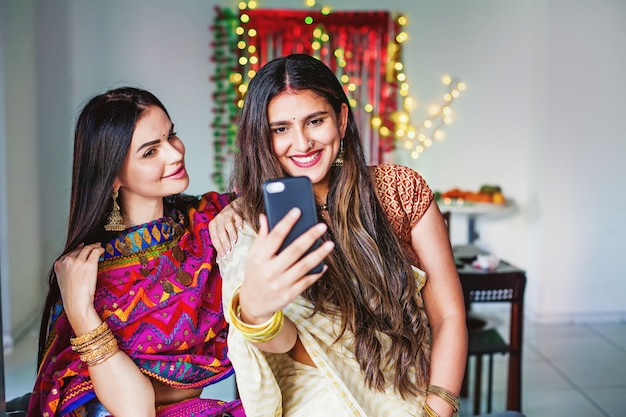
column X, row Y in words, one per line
column 445, row 395
column 255, row 333
column 429, row 412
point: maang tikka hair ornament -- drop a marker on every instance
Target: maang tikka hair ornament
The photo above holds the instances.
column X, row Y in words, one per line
column 115, row 222
column 339, row 158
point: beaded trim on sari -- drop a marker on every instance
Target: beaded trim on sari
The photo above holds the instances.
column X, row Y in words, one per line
column 143, row 237
column 173, row 329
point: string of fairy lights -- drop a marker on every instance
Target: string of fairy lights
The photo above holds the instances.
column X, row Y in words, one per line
column 401, row 130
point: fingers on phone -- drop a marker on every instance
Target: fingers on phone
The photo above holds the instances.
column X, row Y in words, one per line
column 280, row 231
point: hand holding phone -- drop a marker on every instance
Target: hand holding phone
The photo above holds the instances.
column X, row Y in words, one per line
column 283, row 194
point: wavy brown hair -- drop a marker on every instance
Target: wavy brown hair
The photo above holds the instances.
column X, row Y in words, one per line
column 369, row 283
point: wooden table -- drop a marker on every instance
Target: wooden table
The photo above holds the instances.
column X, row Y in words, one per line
column 504, row 284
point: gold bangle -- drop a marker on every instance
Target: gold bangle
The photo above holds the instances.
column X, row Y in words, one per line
column 429, row 412
column 96, row 341
column 100, row 344
column 445, row 395
column 98, row 331
column 99, row 354
column 104, row 357
column 256, row 333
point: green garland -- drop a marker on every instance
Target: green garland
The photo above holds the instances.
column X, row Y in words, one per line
column 225, row 110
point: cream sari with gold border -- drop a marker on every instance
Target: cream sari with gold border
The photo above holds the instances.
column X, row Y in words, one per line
column 273, row 385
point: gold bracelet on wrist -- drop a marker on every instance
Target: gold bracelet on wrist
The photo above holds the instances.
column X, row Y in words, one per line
column 98, row 331
column 93, row 343
column 445, row 395
column 95, row 346
column 101, row 353
column 256, row 333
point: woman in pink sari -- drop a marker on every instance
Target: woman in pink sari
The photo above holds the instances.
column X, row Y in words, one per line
column 133, row 323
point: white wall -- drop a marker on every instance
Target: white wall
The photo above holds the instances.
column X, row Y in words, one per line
column 545, row 90
column 22, row 273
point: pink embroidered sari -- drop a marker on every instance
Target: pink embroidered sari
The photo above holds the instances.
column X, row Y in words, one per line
column 160, row 291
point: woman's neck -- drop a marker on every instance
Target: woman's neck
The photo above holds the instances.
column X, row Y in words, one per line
column 139, row 212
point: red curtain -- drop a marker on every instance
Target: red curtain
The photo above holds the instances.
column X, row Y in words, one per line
column 355, row 45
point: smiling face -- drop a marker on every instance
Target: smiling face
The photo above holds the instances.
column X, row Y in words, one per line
column 155, row 164
column 306, row 135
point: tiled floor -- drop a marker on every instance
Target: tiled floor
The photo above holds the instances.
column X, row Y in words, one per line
column 568, row 371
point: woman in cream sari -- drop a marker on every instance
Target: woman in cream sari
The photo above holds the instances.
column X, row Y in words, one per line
column 381, row 331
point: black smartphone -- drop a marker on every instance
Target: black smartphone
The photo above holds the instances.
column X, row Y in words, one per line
column 281, row 195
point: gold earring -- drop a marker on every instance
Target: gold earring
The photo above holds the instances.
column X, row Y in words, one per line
column 115, row 223
column 339, row 158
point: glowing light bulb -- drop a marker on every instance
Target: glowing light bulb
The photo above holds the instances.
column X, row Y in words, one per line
column 409, row 103
column 401, row 117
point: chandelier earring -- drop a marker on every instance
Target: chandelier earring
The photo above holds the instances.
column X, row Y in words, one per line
column 339, row 158
column 115, row 222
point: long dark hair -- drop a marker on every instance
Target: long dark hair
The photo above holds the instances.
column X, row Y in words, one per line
column 102, row 137
column 369, row 282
